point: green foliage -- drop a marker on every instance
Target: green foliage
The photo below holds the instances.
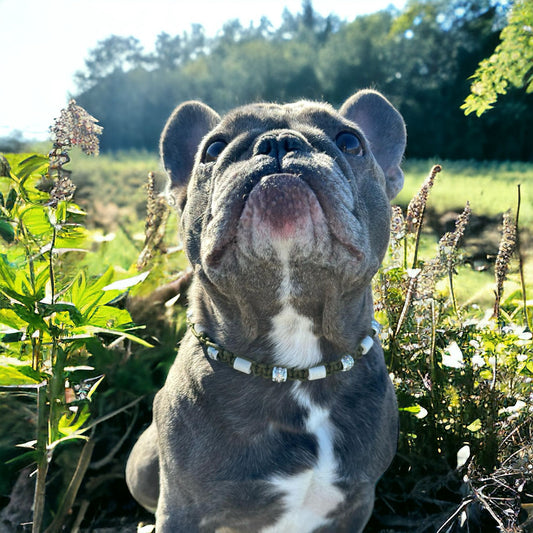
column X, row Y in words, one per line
column 463, row 379
column 509, row 65
column 51, row 315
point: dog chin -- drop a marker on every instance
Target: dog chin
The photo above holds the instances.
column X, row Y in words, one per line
column 282, row 214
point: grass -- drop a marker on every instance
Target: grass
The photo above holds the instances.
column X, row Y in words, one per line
column 490, row 186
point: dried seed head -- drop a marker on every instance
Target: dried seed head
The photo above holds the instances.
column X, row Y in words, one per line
column 417, row 206
column 63, row 191
column 430, row 273
column 157, row 211
column 397, row 223
column 75, row 127
column 450, row 241
column 505, row 252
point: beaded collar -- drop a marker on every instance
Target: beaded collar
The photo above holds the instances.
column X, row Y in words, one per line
column 280, row 374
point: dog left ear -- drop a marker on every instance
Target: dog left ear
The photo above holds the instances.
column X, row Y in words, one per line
column 183, row 133
column 384, row 128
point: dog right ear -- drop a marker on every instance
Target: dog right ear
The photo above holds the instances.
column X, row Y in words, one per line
column 181, row 137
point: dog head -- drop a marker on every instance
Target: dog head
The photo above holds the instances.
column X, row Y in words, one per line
column 285, row 203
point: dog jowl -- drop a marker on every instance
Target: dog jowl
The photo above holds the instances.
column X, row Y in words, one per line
column 278, row 414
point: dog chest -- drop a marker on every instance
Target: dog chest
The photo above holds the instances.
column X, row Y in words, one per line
column 309, row 497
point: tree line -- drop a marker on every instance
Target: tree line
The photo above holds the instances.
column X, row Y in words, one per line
column 421, row 58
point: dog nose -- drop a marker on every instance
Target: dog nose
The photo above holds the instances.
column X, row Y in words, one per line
column 279, row 145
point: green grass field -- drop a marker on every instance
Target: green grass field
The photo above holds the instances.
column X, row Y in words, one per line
column 490, row 187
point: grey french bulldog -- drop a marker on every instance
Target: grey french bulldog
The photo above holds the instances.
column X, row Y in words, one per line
column 278, row 414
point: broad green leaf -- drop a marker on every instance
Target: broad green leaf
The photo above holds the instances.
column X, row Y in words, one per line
column 110, row 317
column 30, row 317
column 71, row 236
column 16, row 295
column 7, row 272
column 93, row 330
column 11, row 199
column 77, row 289
column 485, row 374
column 42, row 276
column 124, row 284
column 72, row 421
column 75, row 209
column 36, row 163
column 10, row 319
column 15, row 372
column 47, row 309
column 35, row 220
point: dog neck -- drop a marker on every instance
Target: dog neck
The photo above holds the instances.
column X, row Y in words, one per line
column 281, row 374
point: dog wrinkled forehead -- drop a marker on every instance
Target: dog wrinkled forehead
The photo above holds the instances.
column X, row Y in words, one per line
column 265, row 117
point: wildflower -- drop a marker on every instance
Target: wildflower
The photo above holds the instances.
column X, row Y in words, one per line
column 156, row 217
column 397, row 223
column 417, row 206
column 453, row 356
column 505, row 252
column 397, row 234
column 449, row 242
column 75, row 127
column 63, row 191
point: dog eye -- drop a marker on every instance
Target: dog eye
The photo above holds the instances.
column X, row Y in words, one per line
column 349, row 143
column 214, row 150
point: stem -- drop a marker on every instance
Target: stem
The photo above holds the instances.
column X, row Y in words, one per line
column 57, row 388
column 452, row 294
column 73, row 488
column 405, row 251
column 521, row 262
column 42, row 461
column 406, row 305
column 417, row 237
column 51, row 265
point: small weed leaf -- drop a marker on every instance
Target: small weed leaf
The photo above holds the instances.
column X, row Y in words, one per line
column 7, row 232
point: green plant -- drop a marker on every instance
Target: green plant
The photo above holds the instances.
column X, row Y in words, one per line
column 50, row 313
column 509, row 65
column 463, row 379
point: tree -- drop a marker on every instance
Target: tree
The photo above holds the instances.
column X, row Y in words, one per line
column 115, row 53
column 511, row 64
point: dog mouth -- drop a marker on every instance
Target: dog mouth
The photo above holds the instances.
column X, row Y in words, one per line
column 285, row 214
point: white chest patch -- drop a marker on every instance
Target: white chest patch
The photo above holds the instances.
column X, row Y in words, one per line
column 310, row 496
column 293, row 340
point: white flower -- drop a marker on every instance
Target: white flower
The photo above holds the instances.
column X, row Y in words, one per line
column 453, row 356
column 478, row 361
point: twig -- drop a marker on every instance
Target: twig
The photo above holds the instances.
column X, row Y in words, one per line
column 84, row 505
column 459, row 510
column 110, row 415
column 109, row 457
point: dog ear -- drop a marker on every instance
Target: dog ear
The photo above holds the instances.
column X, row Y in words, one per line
column 384, row 128
column 181, row 137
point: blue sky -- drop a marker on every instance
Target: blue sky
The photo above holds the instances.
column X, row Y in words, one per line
column 43, row 42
